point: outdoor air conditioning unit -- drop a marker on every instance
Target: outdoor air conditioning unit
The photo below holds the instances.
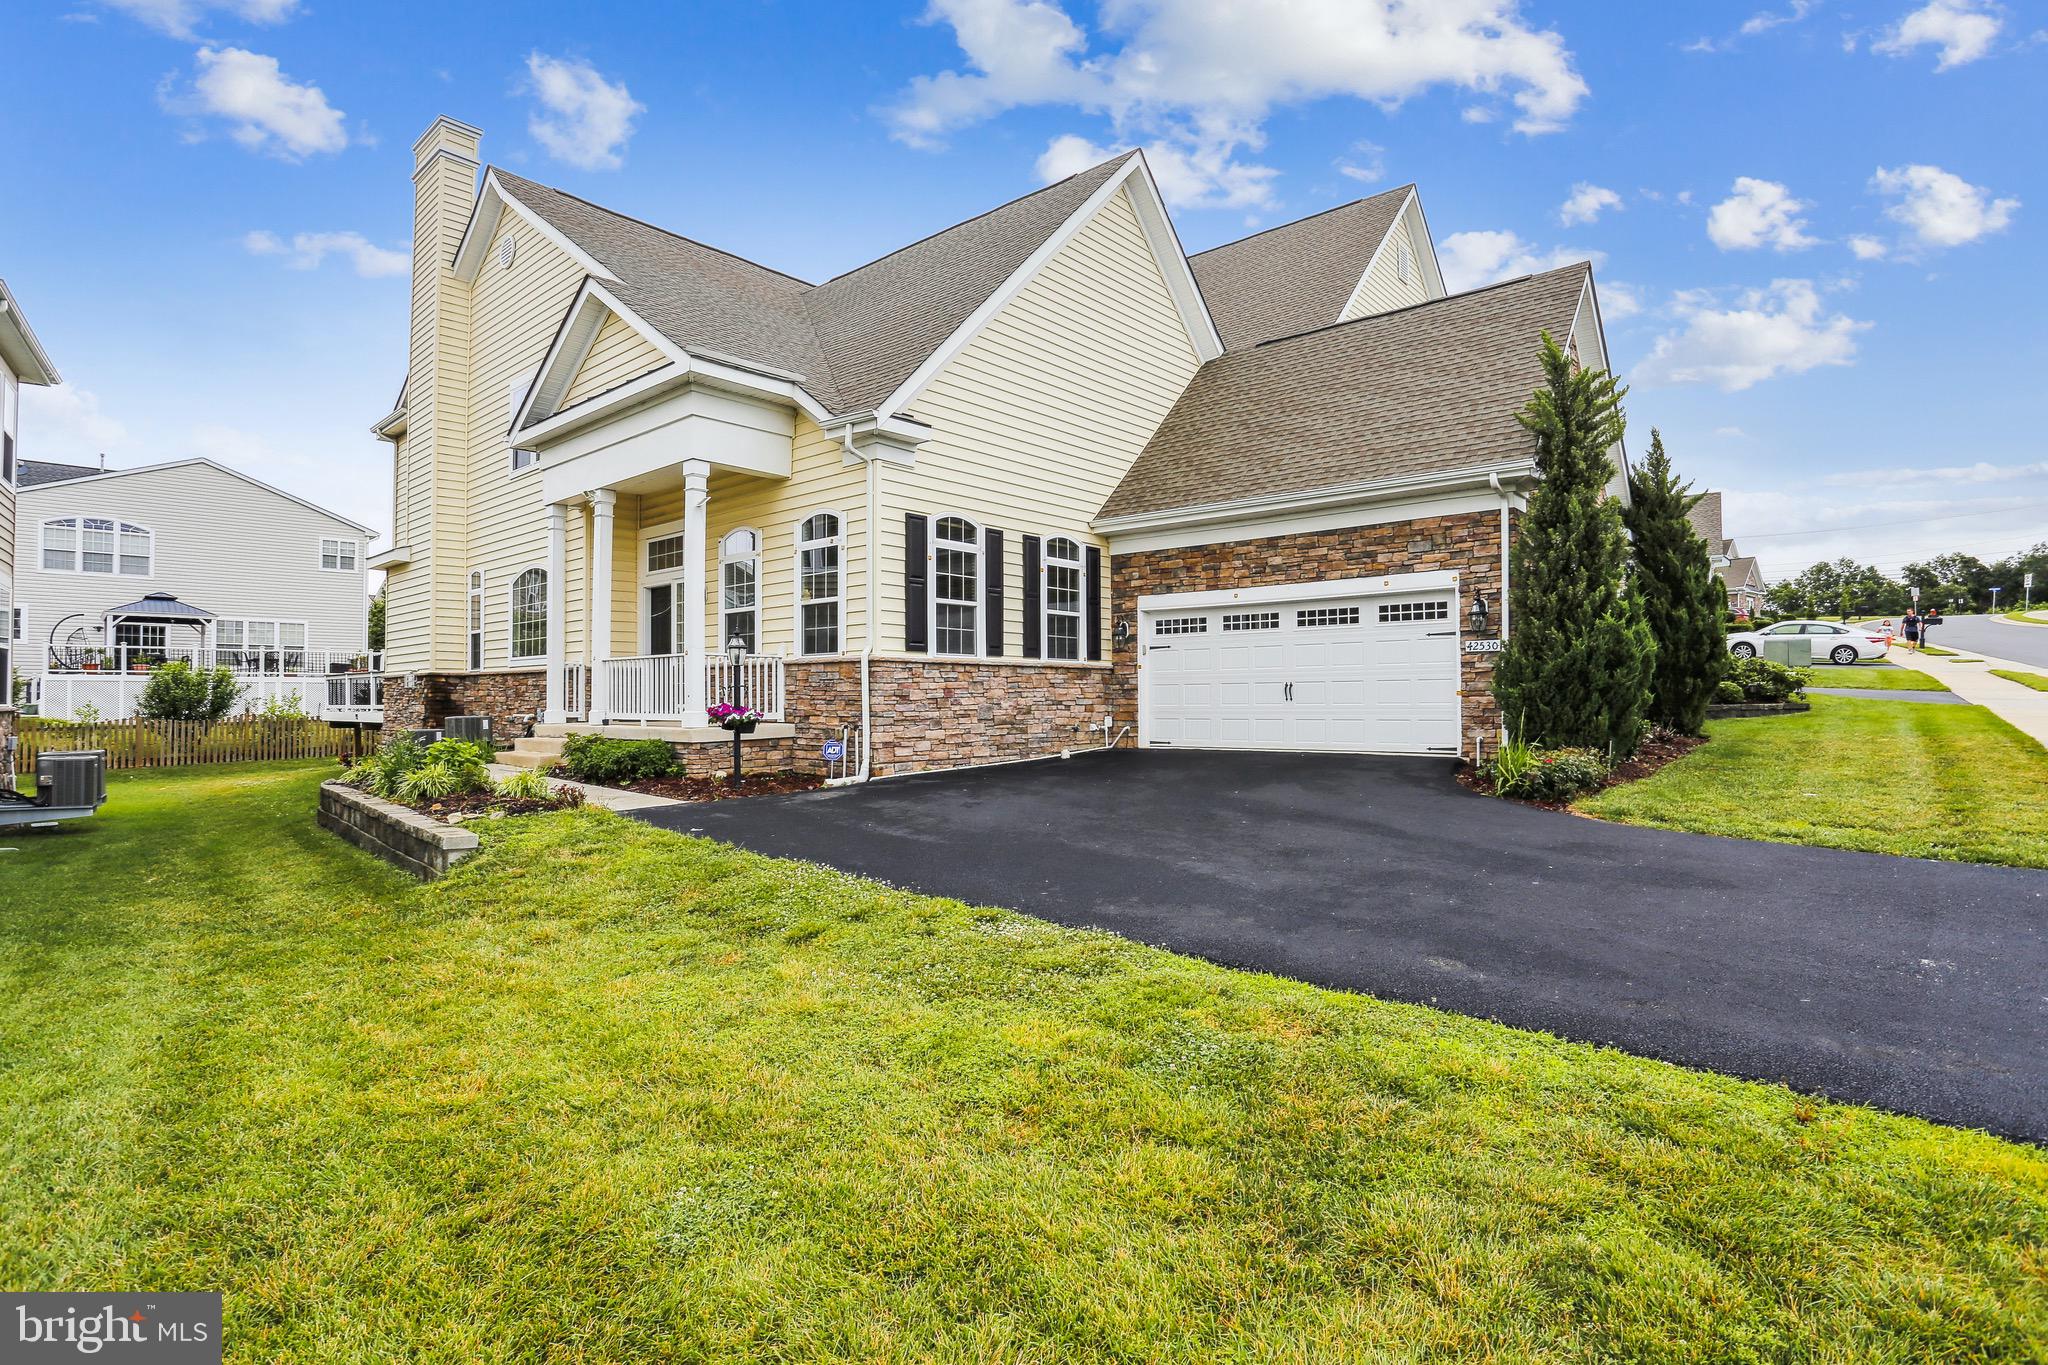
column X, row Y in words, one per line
column 475, row 729
column 423, row 736
column 75, row 780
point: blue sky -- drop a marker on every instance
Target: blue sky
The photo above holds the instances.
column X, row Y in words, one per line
column 1815, row 223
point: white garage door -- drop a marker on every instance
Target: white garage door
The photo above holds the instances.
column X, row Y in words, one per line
column 1357, row 674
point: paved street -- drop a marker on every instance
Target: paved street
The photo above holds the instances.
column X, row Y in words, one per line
column 1988, row 635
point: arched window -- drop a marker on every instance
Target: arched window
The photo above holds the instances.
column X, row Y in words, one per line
column 739, row 589
column 530, row 615
column 817, row 584
column 98, row 545
column 476, row 620
column 1061, row 601
column 956, row 586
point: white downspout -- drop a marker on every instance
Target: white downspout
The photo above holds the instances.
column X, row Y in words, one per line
column 1506, row 501
column 867, row 648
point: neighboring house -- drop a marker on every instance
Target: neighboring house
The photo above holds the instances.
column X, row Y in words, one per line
column 1034, row 482
column 1745, row 580
column 22, row 361
column 122, row 569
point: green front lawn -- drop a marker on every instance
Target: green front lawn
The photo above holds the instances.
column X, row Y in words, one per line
column 2033, row 680
column 1882, row 776
column 1875, row 679
column 612, row 1094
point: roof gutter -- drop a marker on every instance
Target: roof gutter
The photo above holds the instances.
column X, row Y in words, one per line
column 1316, row 499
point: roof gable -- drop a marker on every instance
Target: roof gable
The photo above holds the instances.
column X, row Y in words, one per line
column 1298, row 276
column 1435, row 387
column 196, row 462
column 1705, row 516
column 23, row 354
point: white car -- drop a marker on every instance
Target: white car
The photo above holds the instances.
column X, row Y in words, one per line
column 1834, row 643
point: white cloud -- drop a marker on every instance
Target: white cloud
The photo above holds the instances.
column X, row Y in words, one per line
column 1867, row 248
column 1941, row 209
column 1471, row 259
column 1586, row 203
column 266, row 110
column 1758, row 213
column 1618, row 301
column 180, row 18
column 1963, row 29
column 1731, row 433
column 307, row 250
column 583, row 118
column 1781, row 329
column 1201, row 76
column 1980, row 472
column 1765, row 20
column 1190, row 177
column 1367, row 163
column 66, row 422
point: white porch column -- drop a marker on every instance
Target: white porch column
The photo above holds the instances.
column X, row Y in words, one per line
column 554, row 712
column 601, row 503
column 696, row 477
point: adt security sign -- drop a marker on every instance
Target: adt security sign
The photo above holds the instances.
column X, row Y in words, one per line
column 834, row 750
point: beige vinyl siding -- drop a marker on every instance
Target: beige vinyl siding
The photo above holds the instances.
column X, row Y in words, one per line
column 10, row 406
column 1383, row 289
column 513, row 316
column 618, row 355
column 1037, row 419
column 819, row 481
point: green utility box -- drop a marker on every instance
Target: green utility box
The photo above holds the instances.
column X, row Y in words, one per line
column 1795, row 650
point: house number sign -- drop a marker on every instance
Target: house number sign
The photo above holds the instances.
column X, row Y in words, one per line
column 1482, row 646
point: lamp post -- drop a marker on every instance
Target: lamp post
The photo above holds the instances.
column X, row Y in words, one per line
column 735, row 652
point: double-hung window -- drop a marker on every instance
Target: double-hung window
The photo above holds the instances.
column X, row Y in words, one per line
column 739, row 589
column 260, row 646
column 530, row 615
column 1065, row 583
column 817, row 584
column 956, row 586
column 476, row 620
column 97, row 545
column 338, row 555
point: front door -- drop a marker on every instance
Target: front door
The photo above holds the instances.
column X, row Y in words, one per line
column 660, row 614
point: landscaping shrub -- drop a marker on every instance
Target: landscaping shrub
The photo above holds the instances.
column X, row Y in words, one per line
column 178, row 691
column 1531, row 773
column 1684, row 600
column 452, row 767
column 1762, row 680
column 530, row 784
column 615, row 762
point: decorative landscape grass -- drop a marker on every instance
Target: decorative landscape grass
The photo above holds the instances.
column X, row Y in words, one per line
column 607, row 1093
column 1876, row 679
column 2033, row 680
column 1951, row 782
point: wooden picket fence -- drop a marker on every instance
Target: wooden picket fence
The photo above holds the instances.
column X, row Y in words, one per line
column 170, row 743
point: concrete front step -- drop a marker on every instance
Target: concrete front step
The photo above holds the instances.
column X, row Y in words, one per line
column 527, row 752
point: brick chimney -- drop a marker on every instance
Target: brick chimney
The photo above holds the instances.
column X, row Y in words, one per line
column 444, row 182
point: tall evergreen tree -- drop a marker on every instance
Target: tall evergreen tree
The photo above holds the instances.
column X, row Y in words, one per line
column 1576, row 667
column 1684, row 600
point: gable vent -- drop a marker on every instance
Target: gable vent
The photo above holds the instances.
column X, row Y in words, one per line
column 507, row 248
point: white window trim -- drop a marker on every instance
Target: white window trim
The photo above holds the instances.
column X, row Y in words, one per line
column 653, row 578
column 516, row 390
column 796, row 566
column 78, row 546
column 355, row 553
column 931, row 584
column 473, row 622
column 755, row 558
column 1079, row 564
column 512, row 618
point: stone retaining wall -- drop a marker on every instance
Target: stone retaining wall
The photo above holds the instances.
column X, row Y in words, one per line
column 399, row 835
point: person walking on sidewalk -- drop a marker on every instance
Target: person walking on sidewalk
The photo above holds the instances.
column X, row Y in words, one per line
column 1911, row 628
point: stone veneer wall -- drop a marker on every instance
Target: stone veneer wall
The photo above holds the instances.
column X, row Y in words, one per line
column 1468, row 542
column 7, row 714
column 398, row 834
column 507, row 698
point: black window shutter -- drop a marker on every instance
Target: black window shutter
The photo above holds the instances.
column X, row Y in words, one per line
column 915, row 603
column 1091, row 597
column 992, row 591
column 1032, row 648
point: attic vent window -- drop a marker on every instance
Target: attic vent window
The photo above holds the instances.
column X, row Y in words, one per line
column 1404, row 263
column 507, row 248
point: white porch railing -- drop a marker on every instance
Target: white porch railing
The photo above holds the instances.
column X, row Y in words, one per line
column 575, row 691
column 255, row 661
column 355, row 698
column 760, row 682
column 650, row 687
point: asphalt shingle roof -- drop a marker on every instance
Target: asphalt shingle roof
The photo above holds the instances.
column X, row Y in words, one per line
column 35, row 472
column 1435, row 386
column 854, row 338
column 1295, row 277
column 1705, row 517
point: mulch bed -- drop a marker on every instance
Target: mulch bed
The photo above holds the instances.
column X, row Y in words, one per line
column 455, row 808
column 1660, row 748
column 719, row 789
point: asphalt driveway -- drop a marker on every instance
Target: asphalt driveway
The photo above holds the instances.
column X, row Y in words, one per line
column 1917, row 986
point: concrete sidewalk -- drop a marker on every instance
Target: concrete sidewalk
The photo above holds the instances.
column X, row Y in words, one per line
column 2018, row 706
column 611, row 798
